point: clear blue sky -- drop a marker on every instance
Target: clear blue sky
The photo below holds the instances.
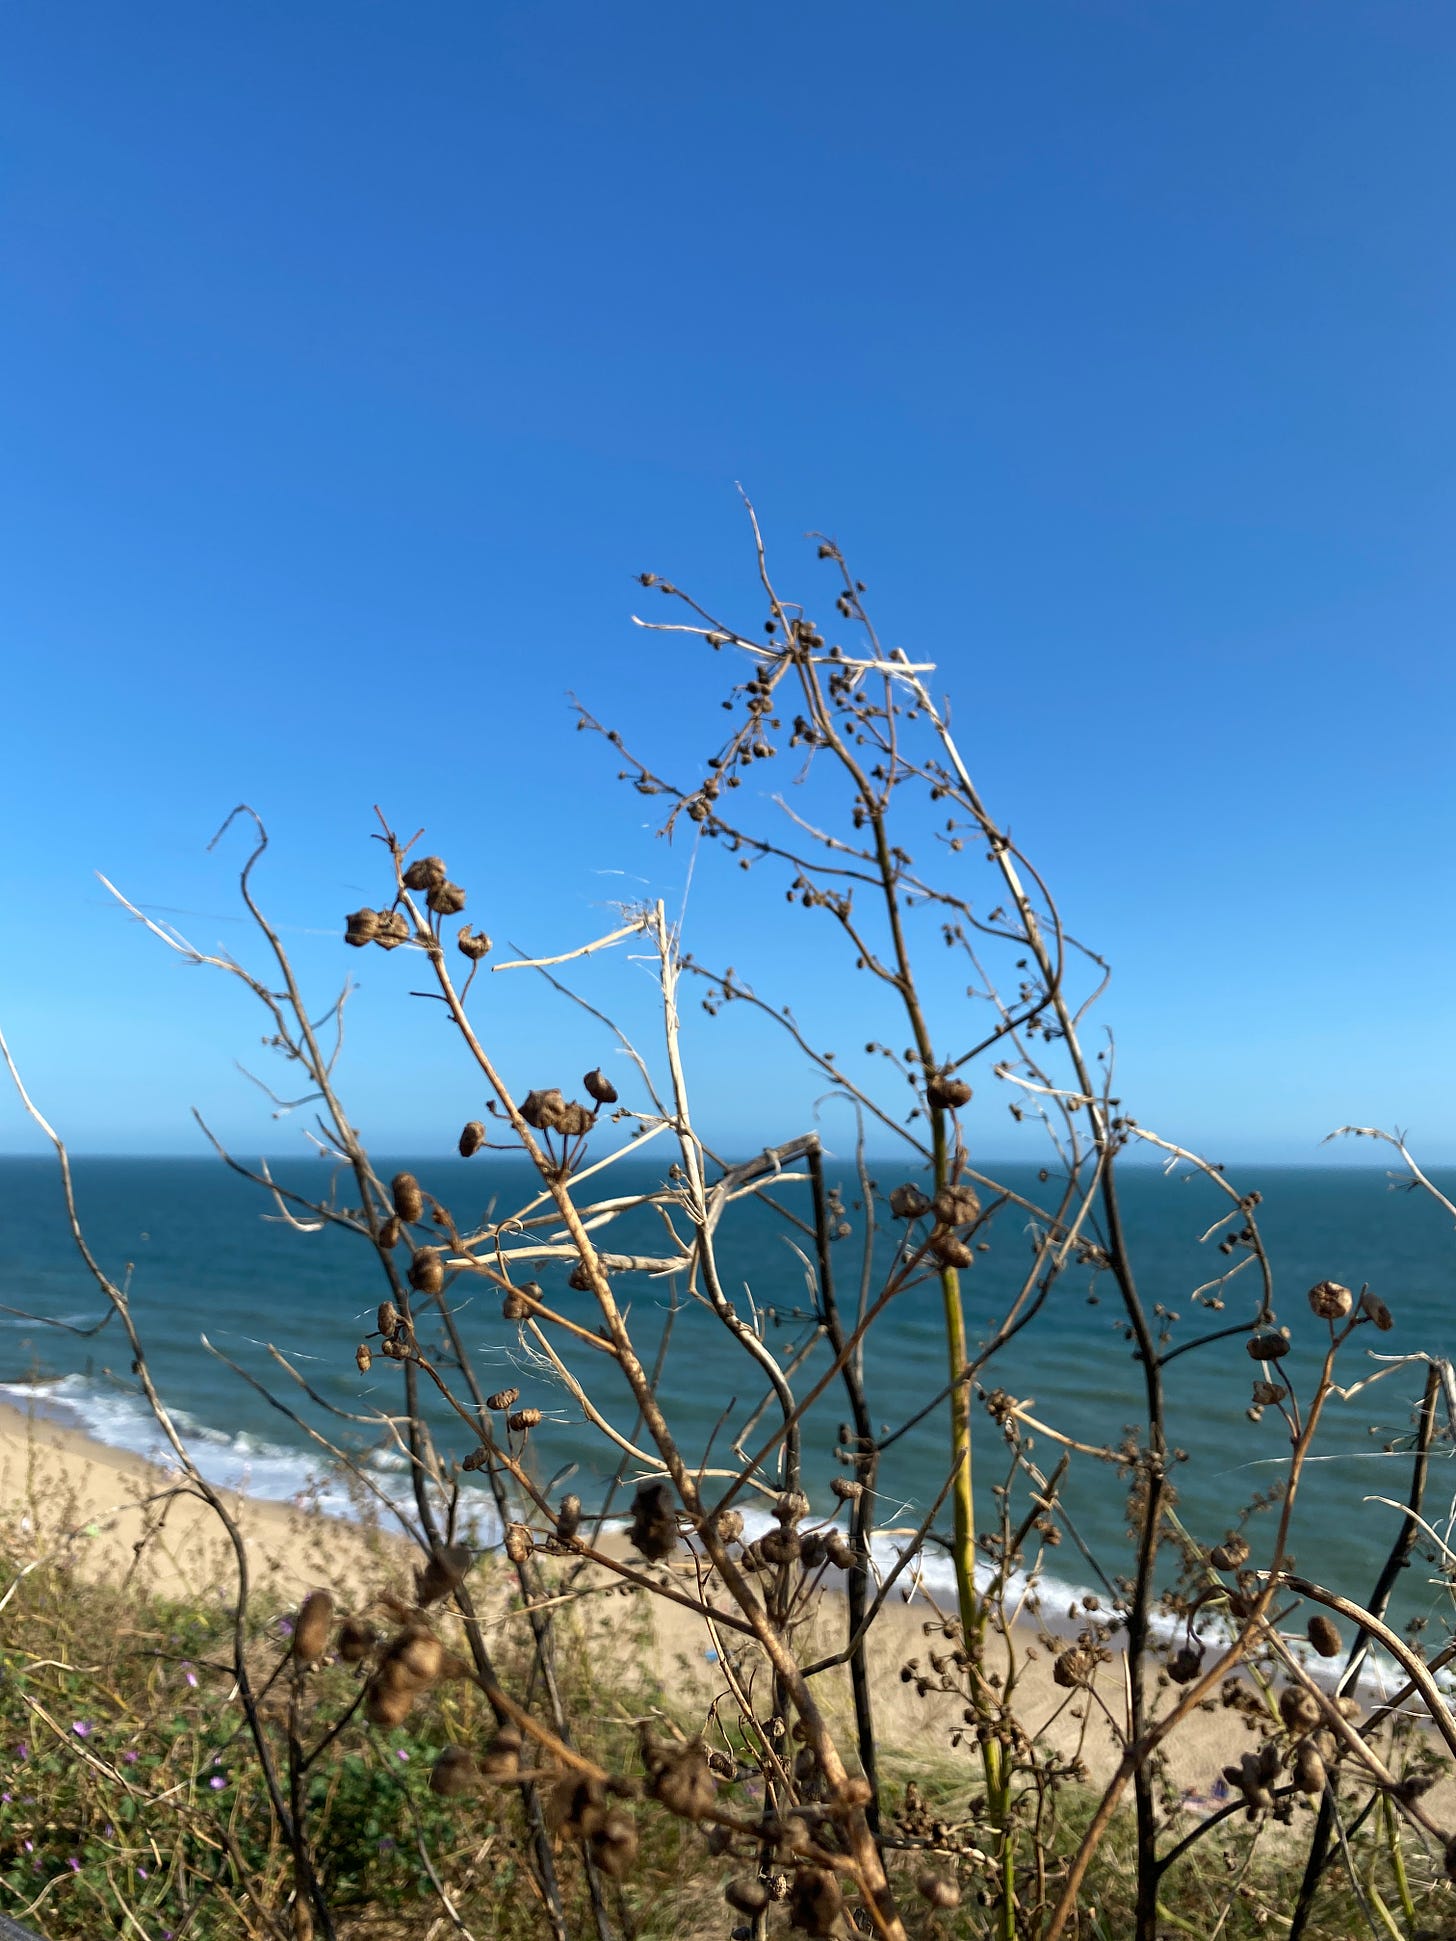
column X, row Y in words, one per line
column 356, row 355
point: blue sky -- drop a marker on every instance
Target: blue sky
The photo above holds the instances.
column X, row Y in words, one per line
column 357, row 355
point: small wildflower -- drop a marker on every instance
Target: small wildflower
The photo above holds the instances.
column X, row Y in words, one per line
column 190, row 1675
column 129, row 1758
column 217, row 1782
column 81, row 1728
column 401, row 1752
column 73, row 1863
column 141, row 1873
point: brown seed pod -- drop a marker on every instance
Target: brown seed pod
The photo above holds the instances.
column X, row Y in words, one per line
column 1231, row 1554
column 1330, row 1301
column 792, row 1507
column 515, row 1307
column 948, row 1092
column 425, row 873
column 950, row 1249
column 845, row 1490
column 472, row 946
column 519, row 1543
column 1324, row 1634
column 746, row 1896
column 1185, row 1665
column 445, row 1569
column 654, row 1522
column 454, row 1772
column 939, row 1889
column 842, row 1553
column 815, row 1902
column 728, row 1525
column 957, row 1206
column 409, row 1201
column 542, row 1110
column 311, row 1628
column 1374, row 1309
column 390, row 1232
column 447, row 901
column 501, row 1758
column 1073, row 1667
column 814, row 1552
column 599, row 1087
column 908, row 1202
column 356, row 1640
column 1309, row 1770
column 679, row 1778
column 393, row 930
column 363, row 1358
column 568, row 1518
column 361, row 927
column 387, row 1702
column 1266, row 1394
column 416, row 1655
column 472, row 1138
column 780, row 1546
column 1299, row 1709
column 387, row 1319
column 1268, row 1346
column 426, row 1270
column 614, row 1844
column 577, row 1120
column 503, row 1399
column 521, row 1419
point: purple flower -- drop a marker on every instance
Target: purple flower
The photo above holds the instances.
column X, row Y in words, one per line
column 22, row 1751
column 81, row 1728
column 217, row 1782
column 130, row 1758
column 190, row 1675
column 29, row 1845
column 401, row 1752
column 74, row 1864
column 141, row 1873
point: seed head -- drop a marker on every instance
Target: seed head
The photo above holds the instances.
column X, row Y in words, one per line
column 1268, row 1346
column 1330, row 1301
column 1231, row 1554
column 363, row 1358
column 680, row 1778
column 409, row 1201
column 311, row 1628
column 1309, row 1770
column 387, row 1318
column 361, row 927
column 948, row 1092
column 518, row 1543
column 599, row 1087
column 515, row 1307
column 1299, row 1709
column 1324, row 1634
column 956, row 1206
column 426, row 1270
column 568, row 1518
column 908, row 1202
column 949, row 1249
column 654, row 1521
column 729, row 1526
column 1374, row 1309
column 503, row 1399
column 390, row 1232
column 746, row 1896
column 1185, row 1665
column 455, row 1772
column 501, row 1758
column 543, row 1110
column 520, row 1419
column 356, row 1640
column 393, row 930
column 446, row 1568
column 472, row 946
column 613, row 1844
column 447, row 901
column 472, row 1138
column 1073, row 1667
column 425, row 873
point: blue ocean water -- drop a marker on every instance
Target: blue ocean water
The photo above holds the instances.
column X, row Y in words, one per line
column 205, row 1255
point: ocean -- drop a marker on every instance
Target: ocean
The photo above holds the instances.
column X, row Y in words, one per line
column 206, row 1257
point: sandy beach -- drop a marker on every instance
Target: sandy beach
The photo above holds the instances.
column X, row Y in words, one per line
column 78, row 1503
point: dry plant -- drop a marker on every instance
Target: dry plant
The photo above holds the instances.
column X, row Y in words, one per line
column 784, row 1798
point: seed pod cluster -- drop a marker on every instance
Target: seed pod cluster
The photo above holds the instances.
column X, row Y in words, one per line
column 1231, row 1554
column 907, row 1202
column 361, row 927
column 426, row 873
column 1254, row 1777
column 654, row 1521
column 1324, row 1634
column 1269, row 1345
column 948, row 1092
column 409, row 1201
column 949, row 1249
column 956, row 1206
column 1073, row 1667
column 356, row 1640
column 815, row 1901
column 680, row 1778
column 1330, row 1301
column 472, row 1138
column 426, row 1270
column 454, row 1773
column 311, row 1628
column 410, row 1664
column 446, row 1568
column 393, row 930
column 1299, row 1709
